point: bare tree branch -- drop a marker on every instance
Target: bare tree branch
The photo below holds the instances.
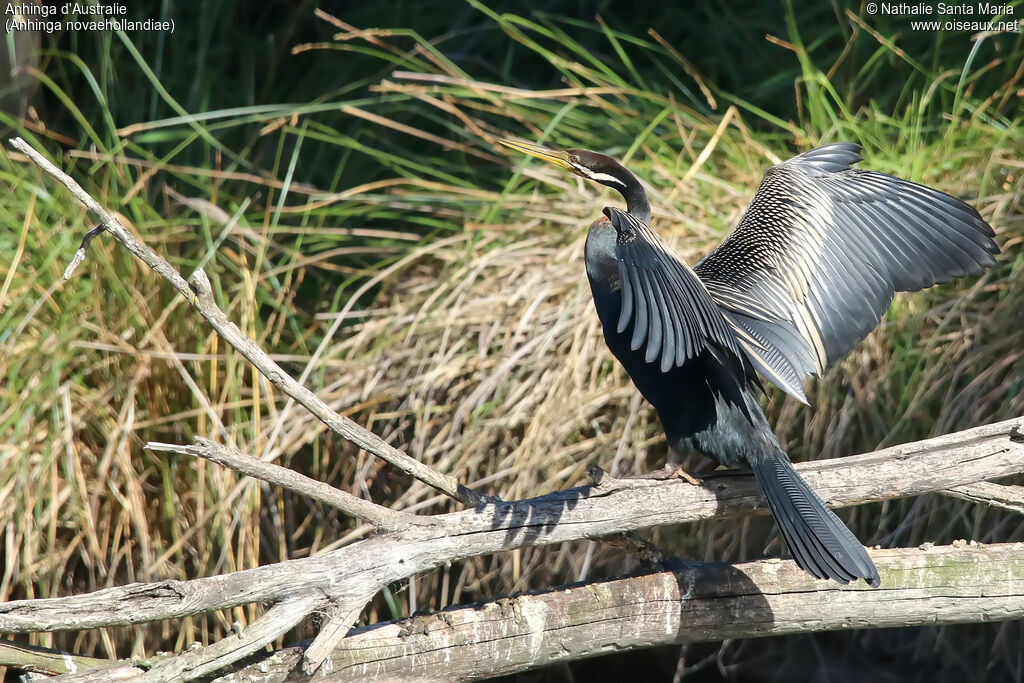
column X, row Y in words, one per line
column 355, row 573
column 200, row 295
column 345, row 579
column 377, row 515
column 277, row 621
column 331, row 633
column 46, row 661
column 1002, row 496
column 116, row 671
column 700, row 602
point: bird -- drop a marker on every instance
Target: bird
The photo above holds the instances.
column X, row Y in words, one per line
column 805, row 275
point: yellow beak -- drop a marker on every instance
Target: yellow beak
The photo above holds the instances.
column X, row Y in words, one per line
column 555, row 156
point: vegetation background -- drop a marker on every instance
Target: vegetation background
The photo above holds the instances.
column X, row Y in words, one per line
column 335, row 172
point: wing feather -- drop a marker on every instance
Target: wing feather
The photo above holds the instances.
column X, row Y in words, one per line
column 626, row 313
column 640, row 304
column 656, row 313
column 665, row 306
column 822, row 249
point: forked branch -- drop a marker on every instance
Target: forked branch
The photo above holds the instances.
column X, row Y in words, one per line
column 766, row 597
column 199, row 294
column 356, row 572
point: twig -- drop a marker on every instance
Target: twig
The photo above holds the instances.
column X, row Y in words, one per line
column 928, row 585
column 200, row 296
column 80, row 254
column 377, row 515
column 193, row 664
column 355, row 572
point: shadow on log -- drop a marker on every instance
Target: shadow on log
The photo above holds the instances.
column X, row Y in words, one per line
column 961, row 583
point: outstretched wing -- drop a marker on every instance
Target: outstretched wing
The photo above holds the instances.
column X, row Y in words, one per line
column 672, row 314
column 816, row 259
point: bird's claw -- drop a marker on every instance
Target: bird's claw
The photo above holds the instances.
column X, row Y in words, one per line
column 605, row 481
column 669, row 472
column 683, row 474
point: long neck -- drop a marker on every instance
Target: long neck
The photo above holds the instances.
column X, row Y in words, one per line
column 612, row 174
column 636, row 197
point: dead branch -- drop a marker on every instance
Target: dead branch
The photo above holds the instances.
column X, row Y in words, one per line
column 377, row 515
column 116, row 671
column 331, row 633
column 46, row 661
column 345, row 579
column 277, row 621
column 700, row 602
column 199, row 293
column 1002, row 496
column 355, row 573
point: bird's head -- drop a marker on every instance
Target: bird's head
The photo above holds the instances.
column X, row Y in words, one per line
column 584, row 163
column 593, row 166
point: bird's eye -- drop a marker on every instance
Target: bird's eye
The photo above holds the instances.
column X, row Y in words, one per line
column 574, row 158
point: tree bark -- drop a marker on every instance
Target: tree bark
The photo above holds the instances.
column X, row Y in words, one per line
column 747, row 601
column 930, row 585
column 346, row 578
column 354, row 573
column 199, row 293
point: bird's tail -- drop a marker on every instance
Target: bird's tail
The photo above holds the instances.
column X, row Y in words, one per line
column 820, row 542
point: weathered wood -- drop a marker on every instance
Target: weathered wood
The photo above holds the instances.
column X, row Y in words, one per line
column 348, row 577
column 45, row 660
column 928, row 585
column 351, row 575
column 198, row 292
column 202, row 661
column 1003, row 496
column 333, row 630
column 115, row 671
column 225, row 456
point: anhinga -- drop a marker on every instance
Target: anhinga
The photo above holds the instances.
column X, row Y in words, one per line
column 807, row 273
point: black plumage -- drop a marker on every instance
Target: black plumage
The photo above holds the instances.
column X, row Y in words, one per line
column 805, row 276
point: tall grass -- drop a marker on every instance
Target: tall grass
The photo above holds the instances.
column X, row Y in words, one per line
column 378, row 242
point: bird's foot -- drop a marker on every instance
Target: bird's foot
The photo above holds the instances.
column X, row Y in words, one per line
column 670, row 471
column 604, row 481
column 683, row 474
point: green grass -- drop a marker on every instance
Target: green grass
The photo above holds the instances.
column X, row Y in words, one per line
column 357, row 219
